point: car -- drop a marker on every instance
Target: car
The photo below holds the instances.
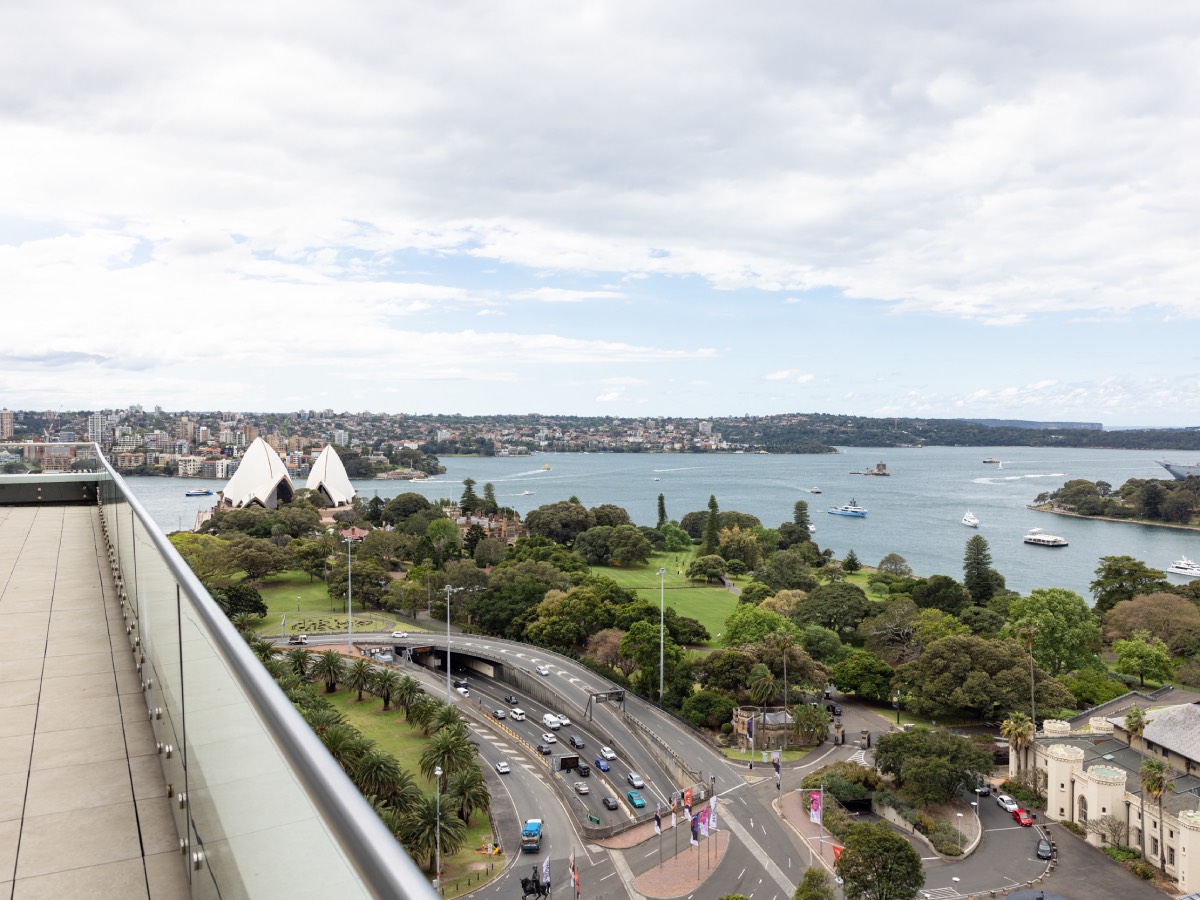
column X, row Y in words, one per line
column 601, row 764
column 1006, row 803
column 563, row 720
column 511, row 700
column 544, row 749
column 983, row 790
column 464, row 692
column 834, row 709
column 575, row 741
column 542, row 670
column 635, row 780
column 1044, row 850
column 584, row 769
column 400, row 634
column 610, row 802
column 1023, row 818
column 518, row 715
column 607, row 753
column 298, row 639
column 581, row 787
column 635, row 799
column 549, row 739
column 503, row 768
column 499, row 714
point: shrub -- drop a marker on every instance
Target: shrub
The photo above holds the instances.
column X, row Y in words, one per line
column 1122, row 854
column 1074, row 828
column 1142, row 869
column 726, row 728
column 837, row 821
column 925, row 823
column 1021, row 793
column 946, row 839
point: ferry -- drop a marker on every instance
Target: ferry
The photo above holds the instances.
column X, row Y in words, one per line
column 850, row 509
column 199, row 492
column 991, row 459
column 1039, row 538
column 1184, row 566
column 970, row 520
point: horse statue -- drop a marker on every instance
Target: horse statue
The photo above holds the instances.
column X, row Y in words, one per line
column 533, row 887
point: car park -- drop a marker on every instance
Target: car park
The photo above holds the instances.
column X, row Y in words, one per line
column 584, row 769
column 549, row 739
column 635, row 799
column 610, row 802
column 399, row 634
column 601, row 764
column 607, row 753
column 542, row 670
column 581, row 787
column 544, row 749
column 575, row 741
column 499, row 714
column 512, row 700
column 1006, row 803
column 502, row 768
column 635, row 780
column 1023, row 818
column 1044, row 850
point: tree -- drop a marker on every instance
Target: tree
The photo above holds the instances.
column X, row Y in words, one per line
column 762, row 686
column 561, row 522
column 592, row 545
column 863, row 674
column 490, row 506
column 377, row 773
column 838, row 607
column 468, row 792
column 800, row 514
column 709, row 708
column 627, row 546
column 1168, row 617
column 610, row 514
column 384, row 684
column 788, row 570
column 941, row 592
column 330, row 669
column 311, row 556
column 447, row 748
column 676, row 538
column 469, row 502
column 712, row 529
column 1112, row 829
column 709, row 568
column 1143, row 655
column 1066, row 634
column 641, row 644
column 205, row 554
column 738, row 545
column 755, row 592
column 895, row 564
column 1123, row 578
column 750, row 624
column 931, row 766
column 257, row 557
column 851, row 563
column 357, row 676
column 878, row 864
column 240, row 599
column 1155, row 783
column 1018, row 729
column 662, row 512
column 977, row 570
column 421, row 830
column 810, row 724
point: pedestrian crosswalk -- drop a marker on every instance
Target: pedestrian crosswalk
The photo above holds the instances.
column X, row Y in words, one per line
column 946, row 893
column 859, row 757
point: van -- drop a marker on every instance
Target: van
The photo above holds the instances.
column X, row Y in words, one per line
column 517, row 715
column 550, row 720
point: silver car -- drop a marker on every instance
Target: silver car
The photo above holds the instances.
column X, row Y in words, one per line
column 1007, row 803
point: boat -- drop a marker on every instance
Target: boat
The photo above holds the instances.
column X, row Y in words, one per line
column 812, row 529
column 814, row 490
column 990, row 459
column 526, row 493
column 1179, row 471
column 199, row 492
column 1184, row 566
column 1039, row 538
column 849, row 509
column 546, row 467
column 970, row 520
column 656, row 478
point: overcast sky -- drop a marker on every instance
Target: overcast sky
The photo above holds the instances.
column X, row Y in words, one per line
column 929, row 209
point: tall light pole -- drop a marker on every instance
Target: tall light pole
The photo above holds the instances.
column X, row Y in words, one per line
column 662, row 630
column 349, row 599
column 449, row 590
column 437, row 773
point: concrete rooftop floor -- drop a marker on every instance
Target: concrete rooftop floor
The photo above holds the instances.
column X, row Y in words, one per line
column 83, row 805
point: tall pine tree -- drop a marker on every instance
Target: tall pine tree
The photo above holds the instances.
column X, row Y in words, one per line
column 977, row 570
column 662, row 511
column 711, row 541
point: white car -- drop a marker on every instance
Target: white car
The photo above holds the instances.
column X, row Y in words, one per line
column 607, row 753
column 400, row 634
column 502, row 768
column 564, row 720
column 542, row 670
column 464, row 692
column 549, row 739
column 581, row 787
column 1007, row 803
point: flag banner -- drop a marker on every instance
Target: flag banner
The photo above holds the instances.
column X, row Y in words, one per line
column 572, row 859
column 750, row 726
column 546, row 871
column 576, row 884
column 674, row 819
column 704, row 821
column 712, row 820
column 712, row 802
column 695, row 829
column 814, row 806
column 837, row 852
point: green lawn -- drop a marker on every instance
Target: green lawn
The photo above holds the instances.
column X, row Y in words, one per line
column 744, row 756
column 310, row 610
column 463, row 871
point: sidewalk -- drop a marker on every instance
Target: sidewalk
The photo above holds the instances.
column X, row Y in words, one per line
column 795, row 814
column 684, row 873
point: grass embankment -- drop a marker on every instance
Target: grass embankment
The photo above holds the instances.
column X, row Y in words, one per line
column 390, row 733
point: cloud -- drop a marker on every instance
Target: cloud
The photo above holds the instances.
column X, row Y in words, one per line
column 794, row 376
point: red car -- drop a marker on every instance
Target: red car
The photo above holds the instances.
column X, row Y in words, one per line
column 1022, row 817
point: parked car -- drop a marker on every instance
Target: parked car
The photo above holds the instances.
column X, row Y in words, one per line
column 512, row 700
column 1022, row 817
column 607, row 753
column 575, row 741
column 635, row 799
column 549, row 739
column 610, row 802
column 399, row 634
column 499, row 714
column 581, row 787
column 502, row 768
column 635, row 780
column 542, row 670
column 544, row 749
column 601, row 764
column 1006, row 803
column 584, row 769
column 1043, row 849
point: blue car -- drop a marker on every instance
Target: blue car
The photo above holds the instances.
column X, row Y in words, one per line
column 635, row 799
column 601, row 764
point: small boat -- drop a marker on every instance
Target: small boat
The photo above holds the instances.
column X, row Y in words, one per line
column 1184, row 566
column 656, row 478
column 546, row 467
column 1039, row 538
column 970, row 520
column 814, row 490
column 812, row 529
column 199, row 492
column 850, row 509
column 526, row 493
column 990, row 459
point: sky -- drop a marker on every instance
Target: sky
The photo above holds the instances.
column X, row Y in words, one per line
column 933, row 209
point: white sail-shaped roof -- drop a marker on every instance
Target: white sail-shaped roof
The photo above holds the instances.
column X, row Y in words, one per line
column 261, row 478
column 328, row 476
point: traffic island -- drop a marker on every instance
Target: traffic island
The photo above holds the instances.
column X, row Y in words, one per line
column 684, row 872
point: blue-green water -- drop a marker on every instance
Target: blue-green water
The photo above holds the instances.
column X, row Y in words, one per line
column 915, row 512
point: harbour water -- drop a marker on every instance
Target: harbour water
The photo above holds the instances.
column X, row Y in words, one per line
column 916, row 512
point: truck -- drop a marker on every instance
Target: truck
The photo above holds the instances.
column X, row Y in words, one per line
column 531, row 836
column 298, row 639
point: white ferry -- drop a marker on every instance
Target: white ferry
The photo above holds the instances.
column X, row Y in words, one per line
column 1039, row 538
column 1184, row 566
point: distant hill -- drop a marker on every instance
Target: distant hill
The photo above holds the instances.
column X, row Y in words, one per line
column 1025, row 423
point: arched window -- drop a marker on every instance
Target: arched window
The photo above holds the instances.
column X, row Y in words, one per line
column 1081, row 817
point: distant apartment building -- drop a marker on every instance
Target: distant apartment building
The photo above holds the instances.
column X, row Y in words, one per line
column 127, row 460
column 341, row 437
column 189, row 466
column 97, row 428
column 6, row 423
column 704, row 428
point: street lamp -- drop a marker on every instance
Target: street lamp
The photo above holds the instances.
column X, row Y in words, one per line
column 349, row 597
column 437, row 773
column 896, row 703
column 662, row 612
column 449, row 590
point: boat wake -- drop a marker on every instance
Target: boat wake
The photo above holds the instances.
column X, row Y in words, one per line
column 1001, row 480
column 681, row 469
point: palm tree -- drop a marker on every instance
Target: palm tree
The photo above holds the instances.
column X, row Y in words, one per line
column 429, row 716
column 346, row 745
column 330, row 669
column 276, row 668
column 300, row 661
column 421, row 827
column 1155, row 783
column 261, row 648
column 451, row 750
column 420, row 713
column 1135, row 723
column 358, row 676
column 376, row 773
column 384, row 684
column 468, row 791
column 1018, row 728
column 244, row 623
column 448, row 717
column 321, row 720
column 762, row 687
column 406, row 693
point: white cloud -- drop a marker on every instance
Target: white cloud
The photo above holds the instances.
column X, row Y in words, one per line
column 794, row 376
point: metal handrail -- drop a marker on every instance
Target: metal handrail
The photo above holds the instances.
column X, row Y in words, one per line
column 385, row 869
